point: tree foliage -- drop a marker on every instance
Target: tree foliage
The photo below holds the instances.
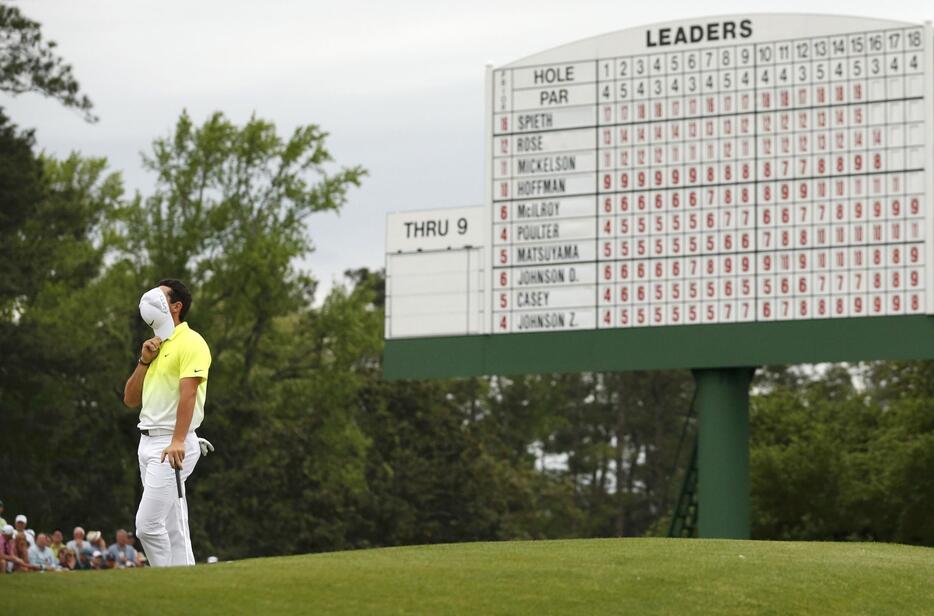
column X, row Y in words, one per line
column 57, row 405
column 229, row 216
column 834, row 461
column 28, row 63
column 315, row 451
column 21, row 194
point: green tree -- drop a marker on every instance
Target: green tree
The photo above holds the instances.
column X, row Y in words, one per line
column 21, row 191
column 905, row 393
column 229, row 215
column 60, row 355
column 619, row 433
column 54, row 221
column 833, row 461
column 28, row 63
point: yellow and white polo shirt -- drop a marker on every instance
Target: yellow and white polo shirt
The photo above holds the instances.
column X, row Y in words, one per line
column 183, row 354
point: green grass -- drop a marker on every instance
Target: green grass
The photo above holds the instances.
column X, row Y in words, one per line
column 605, row 576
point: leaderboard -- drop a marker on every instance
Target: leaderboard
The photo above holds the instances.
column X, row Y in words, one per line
column 759, row 168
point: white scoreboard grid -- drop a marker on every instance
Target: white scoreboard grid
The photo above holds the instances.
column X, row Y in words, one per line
column 720, row 170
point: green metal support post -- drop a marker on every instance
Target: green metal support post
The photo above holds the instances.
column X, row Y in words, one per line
column 722, row 402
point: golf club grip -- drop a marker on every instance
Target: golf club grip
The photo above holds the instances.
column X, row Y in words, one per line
column 178, row 481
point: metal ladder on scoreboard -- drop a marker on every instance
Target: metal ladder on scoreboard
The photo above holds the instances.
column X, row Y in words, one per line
column 684, row 516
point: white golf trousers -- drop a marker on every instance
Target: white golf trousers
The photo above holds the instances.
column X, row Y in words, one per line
column 161, row 526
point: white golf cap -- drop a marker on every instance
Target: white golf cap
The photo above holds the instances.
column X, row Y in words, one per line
column 154, row 308
column 7, row 530
column 21, row 518
column 96, row 554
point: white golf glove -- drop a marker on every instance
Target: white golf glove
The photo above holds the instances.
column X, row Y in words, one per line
column 206, row 446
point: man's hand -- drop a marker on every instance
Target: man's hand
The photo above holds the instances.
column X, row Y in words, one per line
column 150, row 349
column 174, row 453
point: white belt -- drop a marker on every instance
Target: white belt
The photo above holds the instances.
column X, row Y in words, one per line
column 157, row 432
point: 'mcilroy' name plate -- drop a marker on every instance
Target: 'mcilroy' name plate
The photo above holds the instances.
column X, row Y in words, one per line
column 719, row 170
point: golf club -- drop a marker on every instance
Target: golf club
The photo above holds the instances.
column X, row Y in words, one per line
column 181, row 512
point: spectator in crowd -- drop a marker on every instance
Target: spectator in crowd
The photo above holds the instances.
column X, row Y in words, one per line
column 68, row 561
column 96, row 539
column 84, row 557
column 49, row 553
column 122, row 551
column 82, row 547
column 6, row 535
column 97, row 560
column 56, row 545
column 2, row 521
column 21, row 547
column 78, row 544
column 41, row 555
column 21, row 528
column 140, row 558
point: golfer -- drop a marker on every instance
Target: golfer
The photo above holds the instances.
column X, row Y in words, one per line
column 170, row 381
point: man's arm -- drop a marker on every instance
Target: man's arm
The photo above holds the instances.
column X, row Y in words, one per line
column 187, row 393
column 133, row 390
column 16, row 560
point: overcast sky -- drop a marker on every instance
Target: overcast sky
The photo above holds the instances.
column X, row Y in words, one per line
column 399, row 85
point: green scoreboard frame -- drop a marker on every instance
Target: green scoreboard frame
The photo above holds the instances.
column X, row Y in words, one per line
column 649, row 348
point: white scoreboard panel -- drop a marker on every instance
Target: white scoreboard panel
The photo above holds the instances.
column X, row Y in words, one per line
column 436, row 272
column 730, row 169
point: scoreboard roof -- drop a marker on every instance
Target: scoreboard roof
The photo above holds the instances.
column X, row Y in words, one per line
column 700, row 32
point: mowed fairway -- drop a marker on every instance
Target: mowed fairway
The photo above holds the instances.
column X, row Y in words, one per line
column 605, row 576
